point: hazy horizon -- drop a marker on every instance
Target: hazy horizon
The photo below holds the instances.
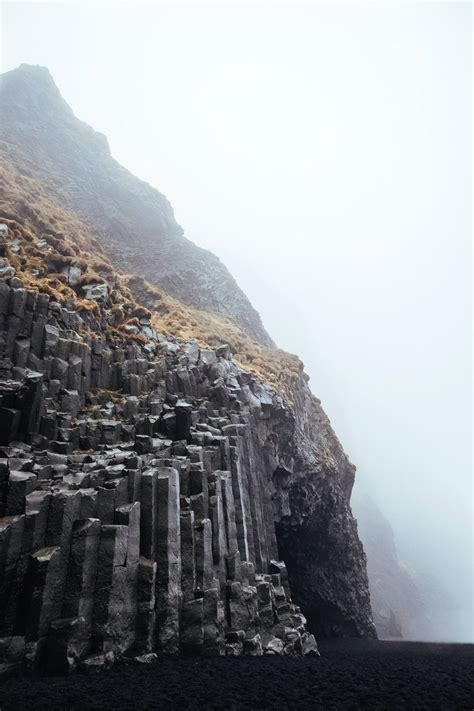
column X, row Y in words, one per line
column 324, row 153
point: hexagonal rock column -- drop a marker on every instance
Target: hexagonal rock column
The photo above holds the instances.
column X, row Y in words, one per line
column 204, row 565
column 40, row 591
column 129, row 515
column 168, row 559
column 20, row 484
column 81, row 576
column 233, row 553
column 219, row 538
column 188, row 555
column 113, row 623
column 64, row 509
column 33, row 538
column 148, row 516
column 146, row 614
column 11, row 535
column 214, row 619
column 242, row 514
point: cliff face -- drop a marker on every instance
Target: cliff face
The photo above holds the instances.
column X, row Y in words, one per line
column 135, row 222
column 156, row 494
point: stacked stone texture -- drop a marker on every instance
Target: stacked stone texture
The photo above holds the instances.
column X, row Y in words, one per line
column 137, row 502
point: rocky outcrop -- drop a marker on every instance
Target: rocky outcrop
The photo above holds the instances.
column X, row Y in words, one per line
column 136, row 224
column 140, row 484
column 156, row 495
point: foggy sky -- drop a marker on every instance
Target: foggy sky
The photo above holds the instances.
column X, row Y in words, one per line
column 324, row 153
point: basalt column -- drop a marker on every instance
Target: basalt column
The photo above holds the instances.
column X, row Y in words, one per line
column 168, row 560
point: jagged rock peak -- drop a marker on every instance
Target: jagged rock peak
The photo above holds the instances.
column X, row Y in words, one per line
column 136, row 222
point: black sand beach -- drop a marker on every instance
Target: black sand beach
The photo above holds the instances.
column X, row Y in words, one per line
column 349, row 675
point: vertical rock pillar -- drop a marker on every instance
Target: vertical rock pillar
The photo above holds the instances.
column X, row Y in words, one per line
column 241, row 506
column 110, row 617
column 188, row 556
column 219, row 537
column 168, row 559
column 148, row 517
column 233, row 553
column 81, row 575
column 40, row 591
column 146, row 614
column 204, row 564
column 64, row 509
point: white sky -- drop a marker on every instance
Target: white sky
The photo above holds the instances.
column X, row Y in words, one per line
column 323, row 151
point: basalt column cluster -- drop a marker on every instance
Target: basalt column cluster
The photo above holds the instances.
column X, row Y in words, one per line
column 136, row 511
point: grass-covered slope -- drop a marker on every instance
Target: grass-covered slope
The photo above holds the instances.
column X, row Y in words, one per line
column 133, row 221
column 56, row 251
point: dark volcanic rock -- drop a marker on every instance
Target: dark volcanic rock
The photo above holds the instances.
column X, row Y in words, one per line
column 134, row 532
column 154, row 495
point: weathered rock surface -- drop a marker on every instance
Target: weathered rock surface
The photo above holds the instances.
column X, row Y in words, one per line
column 148, row 500
column 135, row 221
column 155, row 496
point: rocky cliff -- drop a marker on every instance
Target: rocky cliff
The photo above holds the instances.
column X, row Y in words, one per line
column 158, row 492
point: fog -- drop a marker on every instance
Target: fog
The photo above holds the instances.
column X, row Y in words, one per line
column 324, row 153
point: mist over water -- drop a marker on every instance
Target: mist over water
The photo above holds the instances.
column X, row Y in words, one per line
column 324, row 153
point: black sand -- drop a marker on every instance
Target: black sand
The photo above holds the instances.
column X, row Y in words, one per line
column 349, row 675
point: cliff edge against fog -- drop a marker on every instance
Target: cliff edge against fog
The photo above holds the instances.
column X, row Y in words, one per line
column 168, row 482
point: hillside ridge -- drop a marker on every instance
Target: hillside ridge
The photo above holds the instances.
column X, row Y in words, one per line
column 135, row 221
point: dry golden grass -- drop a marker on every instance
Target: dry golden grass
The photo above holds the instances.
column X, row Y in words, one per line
column 276, row 367
column 32, row 215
